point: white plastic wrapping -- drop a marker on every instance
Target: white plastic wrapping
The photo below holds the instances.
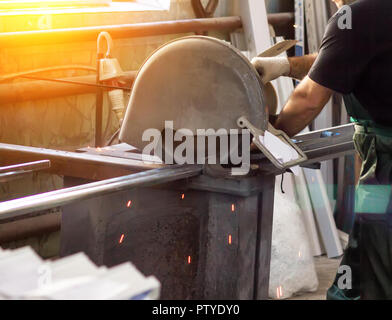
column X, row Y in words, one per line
column 292, row 265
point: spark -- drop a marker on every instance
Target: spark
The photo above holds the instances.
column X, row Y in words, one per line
column 230, row 239
column 183, row 196
column 189, row 260
column 129, row 203
column 121, row 239
column 233, row 207
column 279, row 292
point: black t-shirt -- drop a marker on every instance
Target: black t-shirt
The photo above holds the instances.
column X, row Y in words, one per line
column 359, row 60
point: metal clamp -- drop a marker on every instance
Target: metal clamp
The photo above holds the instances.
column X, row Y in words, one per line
column 245, row 124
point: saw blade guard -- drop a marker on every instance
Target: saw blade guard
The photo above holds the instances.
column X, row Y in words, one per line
column 194, row 83
column 197, row 83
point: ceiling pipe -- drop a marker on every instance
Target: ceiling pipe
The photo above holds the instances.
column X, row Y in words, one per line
column 281, row 19
column 71, row 35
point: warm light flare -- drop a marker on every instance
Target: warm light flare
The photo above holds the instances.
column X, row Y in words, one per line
column 34, row 4
column 45, row 8
column 230, row 239
column 129, row 204
column 189, row 260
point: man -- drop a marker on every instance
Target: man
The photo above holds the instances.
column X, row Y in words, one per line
column 357, row 63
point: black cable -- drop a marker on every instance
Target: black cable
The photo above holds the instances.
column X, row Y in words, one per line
column 76, row 83
column 281, row 184
column 114, row 136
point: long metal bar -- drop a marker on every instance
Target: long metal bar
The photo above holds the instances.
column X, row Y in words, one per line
column 325, row 137
column 36, row 165
column 321, row 145
column 11, row 176
column 72, row 164
column 328, row 153
column 72, row 35
column 22, row 207
column 18, row 171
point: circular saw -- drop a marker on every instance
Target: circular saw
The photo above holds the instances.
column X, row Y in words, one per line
column 198, row 83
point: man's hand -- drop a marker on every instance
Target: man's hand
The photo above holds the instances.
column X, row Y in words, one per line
column 271, row 68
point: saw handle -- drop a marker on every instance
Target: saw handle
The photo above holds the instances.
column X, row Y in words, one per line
column 245, row 124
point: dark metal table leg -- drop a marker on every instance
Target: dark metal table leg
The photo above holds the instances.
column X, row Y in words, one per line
column 264, row 241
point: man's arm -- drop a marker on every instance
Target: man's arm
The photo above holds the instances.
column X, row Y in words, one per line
column 304, row 105
column 275, row 67
column 300, row 66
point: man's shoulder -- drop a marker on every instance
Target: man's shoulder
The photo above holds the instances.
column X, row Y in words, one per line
column 370, row 7
column 358, row 15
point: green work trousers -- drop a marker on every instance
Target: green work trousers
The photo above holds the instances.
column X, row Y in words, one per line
column 369, row 252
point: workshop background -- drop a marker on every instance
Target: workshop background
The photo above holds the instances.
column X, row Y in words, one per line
column 42, row 114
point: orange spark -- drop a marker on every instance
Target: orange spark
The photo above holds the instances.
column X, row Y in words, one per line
column 279, row 292
column 121, row 239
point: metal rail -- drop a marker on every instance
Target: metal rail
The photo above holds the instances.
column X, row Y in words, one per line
column 22, row 207
column 17, row 171
column 80, row 165
column 327, row 144
column 37, row 165
column 318, row 146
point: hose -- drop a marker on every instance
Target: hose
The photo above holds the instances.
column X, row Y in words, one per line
column 11, row 76
column 114, row 136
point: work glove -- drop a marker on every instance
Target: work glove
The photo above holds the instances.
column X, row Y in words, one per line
column 271, row 68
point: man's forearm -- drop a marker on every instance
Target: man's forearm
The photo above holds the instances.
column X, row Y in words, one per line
column 305, row 104
column 300, row 66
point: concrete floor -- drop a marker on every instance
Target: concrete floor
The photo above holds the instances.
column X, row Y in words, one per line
column 326, row 271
